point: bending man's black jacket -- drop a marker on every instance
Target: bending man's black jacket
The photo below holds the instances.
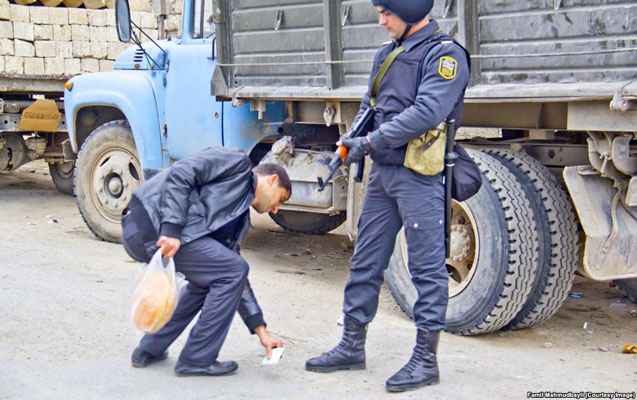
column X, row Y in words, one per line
column 200, row 194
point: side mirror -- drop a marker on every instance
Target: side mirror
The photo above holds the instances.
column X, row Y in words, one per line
column 122, row 16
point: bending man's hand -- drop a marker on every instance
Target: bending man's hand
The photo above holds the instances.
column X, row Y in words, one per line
column 357, row 148
column 268, row 341
column 168, row 245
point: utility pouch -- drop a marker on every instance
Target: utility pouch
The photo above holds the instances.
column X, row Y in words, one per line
column 426, row 153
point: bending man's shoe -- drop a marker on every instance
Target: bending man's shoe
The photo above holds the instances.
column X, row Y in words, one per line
column 141, row 358
column 217, row 368
column 422, row 368
column 348, row 354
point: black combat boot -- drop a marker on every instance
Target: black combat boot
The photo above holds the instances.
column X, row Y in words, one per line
column 422, row 368
column 217, row 368
column 348, row 354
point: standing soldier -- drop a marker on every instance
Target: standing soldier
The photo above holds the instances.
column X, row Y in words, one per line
column 424, row 86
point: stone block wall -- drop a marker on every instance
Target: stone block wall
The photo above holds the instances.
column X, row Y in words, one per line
column 172, row 23
column 38, row 40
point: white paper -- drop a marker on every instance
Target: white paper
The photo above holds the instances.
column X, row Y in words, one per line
column 276, row 356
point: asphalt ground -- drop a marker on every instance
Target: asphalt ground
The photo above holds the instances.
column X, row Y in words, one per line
column 66, row 333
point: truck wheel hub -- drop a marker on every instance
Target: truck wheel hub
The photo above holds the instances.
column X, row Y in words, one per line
column 115, row 175
column 460, row 242
column 115, row 185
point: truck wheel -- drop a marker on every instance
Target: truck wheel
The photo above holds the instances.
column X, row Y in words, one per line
column 558, row 250
column 62, row 176
column 308, row 223
column 107, row 172
column 628, row 286
column 493, row 260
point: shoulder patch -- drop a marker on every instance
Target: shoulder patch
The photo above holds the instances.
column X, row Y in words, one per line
column 447, row 67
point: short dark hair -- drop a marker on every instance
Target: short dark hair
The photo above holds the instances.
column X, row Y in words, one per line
column 275, row 169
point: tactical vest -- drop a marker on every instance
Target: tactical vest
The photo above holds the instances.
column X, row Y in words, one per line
column 399, row 88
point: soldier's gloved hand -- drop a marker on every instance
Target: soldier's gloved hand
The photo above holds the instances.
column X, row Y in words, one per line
column 357, row 147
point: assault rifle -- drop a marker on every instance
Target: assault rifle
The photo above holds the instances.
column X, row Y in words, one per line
column 360, row 128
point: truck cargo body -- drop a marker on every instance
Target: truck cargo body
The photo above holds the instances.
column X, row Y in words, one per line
column 304, row 46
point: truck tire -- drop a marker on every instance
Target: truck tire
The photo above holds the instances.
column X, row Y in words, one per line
column 558, row 241
column 308, row 223
column 106, row 173
column 628, row 286
column 493, row 259
column 62, row 176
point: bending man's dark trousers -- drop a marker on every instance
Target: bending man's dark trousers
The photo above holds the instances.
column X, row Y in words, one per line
column 396, row 197
column 217, row 277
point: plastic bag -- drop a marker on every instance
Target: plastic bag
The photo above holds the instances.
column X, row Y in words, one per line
column 156, row 293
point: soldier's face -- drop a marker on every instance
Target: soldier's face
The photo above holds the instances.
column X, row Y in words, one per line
column 394, row 25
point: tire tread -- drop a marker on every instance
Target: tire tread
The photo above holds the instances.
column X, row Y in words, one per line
column 522, row 246
column 517, row 271
column 62, row 184
column 559, row 261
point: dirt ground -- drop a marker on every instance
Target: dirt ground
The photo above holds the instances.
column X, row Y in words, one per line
column 66, row 332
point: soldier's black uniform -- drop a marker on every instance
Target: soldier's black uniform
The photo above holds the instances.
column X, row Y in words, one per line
column 424, row 86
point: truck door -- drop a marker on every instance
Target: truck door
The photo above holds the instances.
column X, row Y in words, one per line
column 193, row 117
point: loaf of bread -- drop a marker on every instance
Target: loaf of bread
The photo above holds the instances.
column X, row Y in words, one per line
column 154, row 299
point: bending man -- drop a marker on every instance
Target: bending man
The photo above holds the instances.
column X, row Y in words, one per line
column 198, row 212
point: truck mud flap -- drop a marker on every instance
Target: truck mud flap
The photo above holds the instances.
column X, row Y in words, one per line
column 611, row 229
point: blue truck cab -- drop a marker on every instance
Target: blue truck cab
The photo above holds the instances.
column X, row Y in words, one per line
column 154, row 108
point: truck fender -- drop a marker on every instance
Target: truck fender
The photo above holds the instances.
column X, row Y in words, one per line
column 130, row 92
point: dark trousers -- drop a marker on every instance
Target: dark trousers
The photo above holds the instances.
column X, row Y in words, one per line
column 216, row 277
column 398, row 197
